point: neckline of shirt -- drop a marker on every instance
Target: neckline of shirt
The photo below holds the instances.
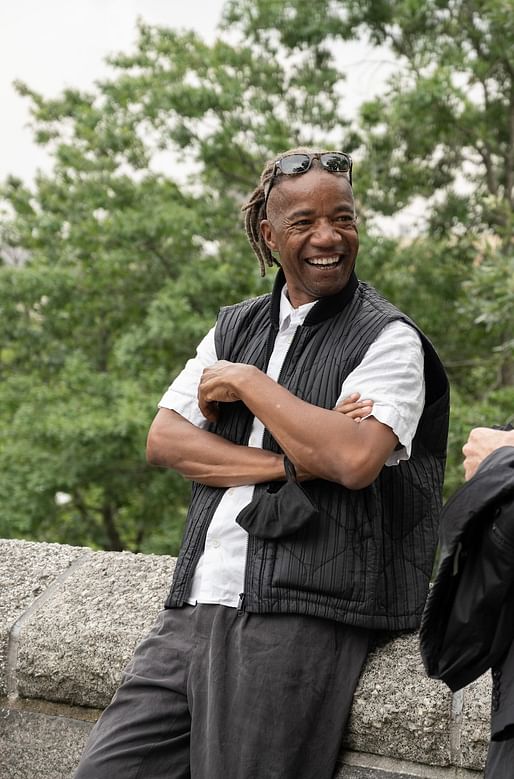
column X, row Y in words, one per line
column 288, row 312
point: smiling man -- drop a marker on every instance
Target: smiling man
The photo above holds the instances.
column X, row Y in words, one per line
column 307, row 532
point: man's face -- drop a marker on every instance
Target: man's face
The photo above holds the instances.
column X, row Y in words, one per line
column 311, row 224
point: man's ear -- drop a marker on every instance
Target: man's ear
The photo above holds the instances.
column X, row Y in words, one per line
column 268, row 234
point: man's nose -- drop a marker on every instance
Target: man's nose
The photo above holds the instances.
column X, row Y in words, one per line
column 325, row 234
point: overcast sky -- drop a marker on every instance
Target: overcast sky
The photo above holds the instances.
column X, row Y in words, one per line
column 52, row 44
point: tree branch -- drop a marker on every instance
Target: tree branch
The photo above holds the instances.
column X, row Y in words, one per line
column 108, row 516
column 509, row 162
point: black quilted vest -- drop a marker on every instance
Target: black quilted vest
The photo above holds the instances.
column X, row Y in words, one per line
column 368, row 559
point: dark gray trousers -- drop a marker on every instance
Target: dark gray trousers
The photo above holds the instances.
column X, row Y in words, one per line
column 214, row 694
column 500, row 760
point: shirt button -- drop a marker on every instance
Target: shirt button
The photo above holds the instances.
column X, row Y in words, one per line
column 215, row 543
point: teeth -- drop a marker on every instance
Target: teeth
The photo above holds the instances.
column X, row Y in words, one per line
column 323, row 260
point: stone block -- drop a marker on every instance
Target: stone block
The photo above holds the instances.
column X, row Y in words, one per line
column 71, row 617
column 37, row 746
column 75, row 646
column 27, row 569
column 398, row 712
column 476, row 722
column 360, row 765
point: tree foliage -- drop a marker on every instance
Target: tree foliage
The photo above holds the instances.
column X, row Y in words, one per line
column 115, row 263
column 440, row 139
column 131, row 244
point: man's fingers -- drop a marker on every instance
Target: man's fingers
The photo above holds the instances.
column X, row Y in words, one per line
column 354, row 409
column 469, row 469
column 357, row 413
column 210, row 409
column 345, row 405
column 350, row 400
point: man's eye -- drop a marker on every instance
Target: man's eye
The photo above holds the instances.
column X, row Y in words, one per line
column 302, row 223
column 346, row 218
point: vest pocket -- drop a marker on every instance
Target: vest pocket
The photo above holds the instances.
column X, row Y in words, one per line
column 333, row 557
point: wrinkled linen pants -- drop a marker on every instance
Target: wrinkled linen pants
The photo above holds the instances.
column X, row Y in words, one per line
column 500, row 759
column 212, row 693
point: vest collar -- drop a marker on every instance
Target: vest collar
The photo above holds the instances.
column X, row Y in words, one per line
column 324, row 308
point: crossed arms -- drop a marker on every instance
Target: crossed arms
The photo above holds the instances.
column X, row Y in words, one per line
column 322, row 443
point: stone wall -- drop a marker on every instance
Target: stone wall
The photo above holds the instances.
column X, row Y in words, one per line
column 70, row 618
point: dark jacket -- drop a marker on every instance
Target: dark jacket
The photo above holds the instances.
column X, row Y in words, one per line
column 468, row 622
column 366, row 558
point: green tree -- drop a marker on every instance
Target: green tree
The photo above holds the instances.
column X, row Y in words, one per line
column 131, row 244
column 125, row 251
column 441, row 134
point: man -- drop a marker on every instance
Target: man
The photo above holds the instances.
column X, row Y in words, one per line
column 250, row 670
column 468, row 623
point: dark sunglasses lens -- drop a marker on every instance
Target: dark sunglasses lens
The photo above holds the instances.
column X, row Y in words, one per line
column 294, row 163
column 335, row 163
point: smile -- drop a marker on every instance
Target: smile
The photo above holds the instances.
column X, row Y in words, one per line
column 325, row 262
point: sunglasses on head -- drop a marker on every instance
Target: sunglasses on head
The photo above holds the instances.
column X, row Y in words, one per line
column 300, row 162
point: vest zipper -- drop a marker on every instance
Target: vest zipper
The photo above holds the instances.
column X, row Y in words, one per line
column 242, row 596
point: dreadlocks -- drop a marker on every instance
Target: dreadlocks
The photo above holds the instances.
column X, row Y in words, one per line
column 254, row 212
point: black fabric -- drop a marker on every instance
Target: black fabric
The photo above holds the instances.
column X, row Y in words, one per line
column 191, row 702
column 367, row 558
column 502, row 703
column 279, row 511
column 500, row 760
column 468, row 622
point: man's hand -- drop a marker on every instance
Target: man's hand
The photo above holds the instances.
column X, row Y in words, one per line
column 220, row 383
column 481, row 442
column 354, row 407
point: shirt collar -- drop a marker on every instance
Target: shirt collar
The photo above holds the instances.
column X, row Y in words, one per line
column 288, row 314
column 322, row 309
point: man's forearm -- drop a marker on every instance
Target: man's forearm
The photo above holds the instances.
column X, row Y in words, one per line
column 322, row 442
column 319, row 440
column 196, row 454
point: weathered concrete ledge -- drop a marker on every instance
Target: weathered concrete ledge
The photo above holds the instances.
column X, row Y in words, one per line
column 70, row 619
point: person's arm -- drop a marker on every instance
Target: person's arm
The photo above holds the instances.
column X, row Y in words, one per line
column 482, row 442
column 392, row 374
column 174, row 442
column 326, row 443
column 178, row 439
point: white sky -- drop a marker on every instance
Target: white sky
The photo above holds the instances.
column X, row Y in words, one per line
column 53, row 44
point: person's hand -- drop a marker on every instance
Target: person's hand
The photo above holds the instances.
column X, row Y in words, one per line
column 219, row 384
column 481, row 442
column 354, row 407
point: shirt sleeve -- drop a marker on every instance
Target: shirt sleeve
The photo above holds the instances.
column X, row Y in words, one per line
column 182, row 394
column 392, row 376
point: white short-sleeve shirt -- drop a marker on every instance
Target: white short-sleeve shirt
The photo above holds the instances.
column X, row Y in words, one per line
column 391, row 375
